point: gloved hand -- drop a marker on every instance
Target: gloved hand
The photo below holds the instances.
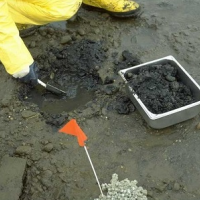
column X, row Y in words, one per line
column 30, row 78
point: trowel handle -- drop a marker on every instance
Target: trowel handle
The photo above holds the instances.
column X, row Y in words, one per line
column 42, row 83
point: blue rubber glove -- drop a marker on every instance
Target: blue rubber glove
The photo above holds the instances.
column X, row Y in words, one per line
column 32, row 77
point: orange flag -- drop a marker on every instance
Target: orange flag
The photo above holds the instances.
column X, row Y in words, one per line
column 72, row 128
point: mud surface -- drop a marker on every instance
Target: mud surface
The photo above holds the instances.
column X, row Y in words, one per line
column 165, row 162
column 77, row 63
column 160, row 88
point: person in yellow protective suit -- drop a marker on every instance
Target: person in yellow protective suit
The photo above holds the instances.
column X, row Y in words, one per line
column 13, row 53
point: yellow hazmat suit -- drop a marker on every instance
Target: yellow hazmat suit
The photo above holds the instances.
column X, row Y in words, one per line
column 13, row 53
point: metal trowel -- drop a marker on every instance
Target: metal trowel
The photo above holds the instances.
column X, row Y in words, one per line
column 51, row 88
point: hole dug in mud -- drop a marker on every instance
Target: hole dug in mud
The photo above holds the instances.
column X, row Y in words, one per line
column 54, row 104
column 75, row 70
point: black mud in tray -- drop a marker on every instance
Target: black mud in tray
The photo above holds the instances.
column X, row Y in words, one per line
column 174, row 116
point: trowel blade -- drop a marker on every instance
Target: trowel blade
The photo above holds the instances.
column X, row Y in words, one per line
column 51, row 88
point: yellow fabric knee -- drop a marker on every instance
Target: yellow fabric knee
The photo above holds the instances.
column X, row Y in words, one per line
column 40, row 12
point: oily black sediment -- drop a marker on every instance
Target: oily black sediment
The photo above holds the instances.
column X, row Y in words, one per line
column 127, row 60
column 79, row 63
column 160, row 88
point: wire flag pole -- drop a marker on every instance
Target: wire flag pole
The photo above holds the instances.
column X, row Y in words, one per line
column 72, row 128
column 93, row 170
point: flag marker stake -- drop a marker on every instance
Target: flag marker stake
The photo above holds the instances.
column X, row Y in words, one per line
column 72, row 128
column 93, row 170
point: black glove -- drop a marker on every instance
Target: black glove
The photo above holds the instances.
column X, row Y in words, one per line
column 32, row 77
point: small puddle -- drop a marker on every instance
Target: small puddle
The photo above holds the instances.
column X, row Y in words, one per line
column 54, row 104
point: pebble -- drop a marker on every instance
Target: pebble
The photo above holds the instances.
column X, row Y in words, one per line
column 52, row 42
column 78, row 37
column 111, row 89
column 35, row 180
column 35, row 157
column 32, row 44
column 81, row 32
column 38, row 188
column 96, row 30
column 115, row 44
column 73, row 19
column 60, row 169
column 2, row 134
column 42, row 31
column 161, row 187
column 57, row 192
column 105, row 15
column 104, row 111
column 97, row 67
column 46, row 182
column 48, row 148
column 39, row 38
column 53, row 161
column 150, row 194
column 186, row 33
column 32, row 191
column 63, row 177
column 65, row 39
column 74, row 37
column 51, row 31
column 176, row 186
column 130, row 75
column 47, row 174
column 48, row 36
column 92, row 23
column 175, row 85
column 52, row 75
column 28, row 113
column 108, row 80
column 170, row 78
column 23, row 150
column 198, row 126
column 6, row 100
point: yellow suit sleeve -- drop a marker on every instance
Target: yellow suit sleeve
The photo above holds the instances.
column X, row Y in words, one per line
column 13, row 53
